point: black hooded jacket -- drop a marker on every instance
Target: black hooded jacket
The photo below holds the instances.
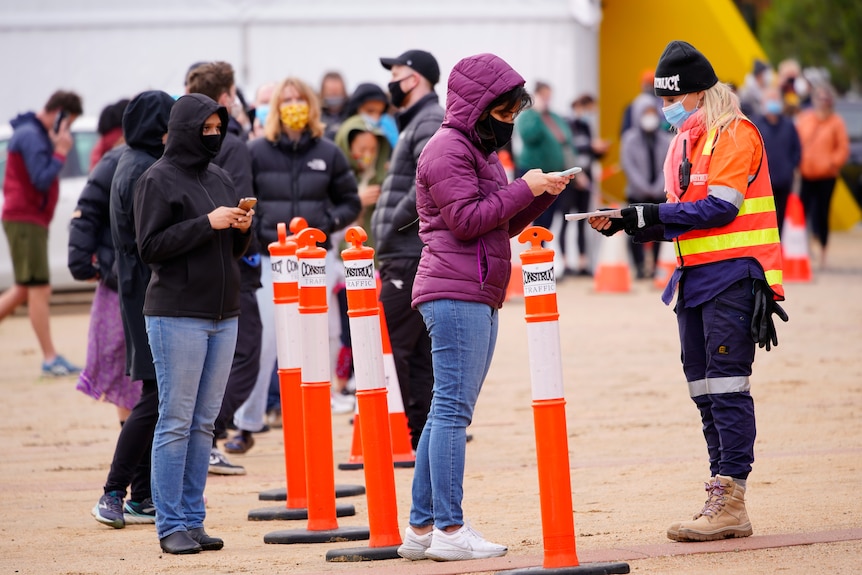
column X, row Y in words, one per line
column 90, row 227
column 145, row 122
column 194, row 267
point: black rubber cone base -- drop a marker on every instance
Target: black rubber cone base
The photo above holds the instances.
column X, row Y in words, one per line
column 284, row 514
column 328, row 536
column 354, row 466
column 582, row 569
column 280, row 494
column 356, row 554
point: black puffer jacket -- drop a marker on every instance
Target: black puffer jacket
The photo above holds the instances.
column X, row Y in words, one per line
column 195, row 271
column 90, row 227
column 395, row 220
column 145, row 122
column 309, row 178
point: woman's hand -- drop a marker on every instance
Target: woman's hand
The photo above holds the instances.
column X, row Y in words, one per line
column 224, row 217
column 541, row 182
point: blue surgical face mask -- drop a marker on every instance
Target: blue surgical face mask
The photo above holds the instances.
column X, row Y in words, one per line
column 261, row 113
column 370, row 120
column 773, row 107
column 676, row 114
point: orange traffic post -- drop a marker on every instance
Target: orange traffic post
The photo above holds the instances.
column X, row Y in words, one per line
column 371, row 398
column 317, row 417
column 402, row 448
column 285, row 276
column 285, row 284
column 549, row 411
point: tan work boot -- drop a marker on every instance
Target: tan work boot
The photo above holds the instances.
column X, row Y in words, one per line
column 723, row 515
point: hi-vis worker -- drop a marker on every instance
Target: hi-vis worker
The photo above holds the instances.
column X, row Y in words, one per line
column 721, row 217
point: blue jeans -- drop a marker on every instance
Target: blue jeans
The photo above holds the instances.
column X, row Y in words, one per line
column 192, row 358
column 463, row 337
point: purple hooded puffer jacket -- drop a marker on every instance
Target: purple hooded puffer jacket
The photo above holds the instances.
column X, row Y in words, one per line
column 467, row 209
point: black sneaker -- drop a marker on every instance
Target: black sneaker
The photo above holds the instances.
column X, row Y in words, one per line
column 219, row 465
column 139, row 513
column 109, row 510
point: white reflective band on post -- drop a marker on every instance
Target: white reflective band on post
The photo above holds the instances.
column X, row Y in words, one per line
column 312, row 273
column 538, row 279
column 315, row 347
column 393, row 393
column 546, row 367
column 287, row 332
column 284, row 269
column 367, row 352
column 359, row 274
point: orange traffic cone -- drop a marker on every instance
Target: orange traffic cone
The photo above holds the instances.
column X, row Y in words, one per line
column 515, row 289
column 794, row 242
column 507, row 163
column 665, row 265
column 402, row 448
column 612, row 269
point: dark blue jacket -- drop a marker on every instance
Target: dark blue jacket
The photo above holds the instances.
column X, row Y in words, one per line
column 782, row 148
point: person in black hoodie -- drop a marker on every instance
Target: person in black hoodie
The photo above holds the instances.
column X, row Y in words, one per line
column 191, row 234
column 145, row 123
column 216, row 80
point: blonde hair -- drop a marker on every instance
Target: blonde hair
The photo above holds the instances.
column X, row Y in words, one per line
column 720, row 107
column 273, row 128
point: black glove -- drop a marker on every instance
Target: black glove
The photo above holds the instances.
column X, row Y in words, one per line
column 616, row 224
column 639, row 216
column 762, row 326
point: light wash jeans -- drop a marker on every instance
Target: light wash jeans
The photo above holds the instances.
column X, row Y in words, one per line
column 250, row 415
column 463, row 337
column 192, row 358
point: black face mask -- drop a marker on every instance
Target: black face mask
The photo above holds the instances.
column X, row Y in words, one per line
column 212, row 144
column 397, row 94
column 502, row 134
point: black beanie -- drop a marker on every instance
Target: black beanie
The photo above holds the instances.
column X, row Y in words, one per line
column 682, row 70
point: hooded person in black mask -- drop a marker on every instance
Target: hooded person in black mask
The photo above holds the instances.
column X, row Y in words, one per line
column 145, row 123
column 192, row 235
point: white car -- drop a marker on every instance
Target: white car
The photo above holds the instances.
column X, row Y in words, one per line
column 73, row 177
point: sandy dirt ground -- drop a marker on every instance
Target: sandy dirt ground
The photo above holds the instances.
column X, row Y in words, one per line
column 637, row 459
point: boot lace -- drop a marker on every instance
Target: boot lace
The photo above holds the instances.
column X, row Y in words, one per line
column 715, row 500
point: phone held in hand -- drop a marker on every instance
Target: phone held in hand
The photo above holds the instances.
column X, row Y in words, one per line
column 58, row 121
column 247, row 203
column 569, row 172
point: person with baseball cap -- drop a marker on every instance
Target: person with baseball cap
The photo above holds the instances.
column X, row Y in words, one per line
column 395, row 225
column 720, row 214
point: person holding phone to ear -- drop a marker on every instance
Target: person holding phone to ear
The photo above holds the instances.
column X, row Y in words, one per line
column 31, row 188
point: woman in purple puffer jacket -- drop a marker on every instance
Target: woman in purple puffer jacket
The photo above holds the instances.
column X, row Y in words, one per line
column 467, row 213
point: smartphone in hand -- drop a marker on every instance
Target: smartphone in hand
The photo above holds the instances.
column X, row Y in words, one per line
column 247, row 203
column 58, row 121
column 569, row 172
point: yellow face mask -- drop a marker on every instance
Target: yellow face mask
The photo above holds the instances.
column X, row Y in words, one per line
column 294, row 116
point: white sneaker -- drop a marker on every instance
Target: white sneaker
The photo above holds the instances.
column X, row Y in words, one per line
column 465, row 543
column 342, row 402
column 414, row 545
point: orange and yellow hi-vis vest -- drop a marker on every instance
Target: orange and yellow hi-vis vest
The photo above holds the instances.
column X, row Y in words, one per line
column 753, row 233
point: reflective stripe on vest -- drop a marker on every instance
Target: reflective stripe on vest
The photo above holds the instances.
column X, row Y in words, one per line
column 753, row 233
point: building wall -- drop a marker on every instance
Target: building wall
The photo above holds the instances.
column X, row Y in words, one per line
column 106, row 50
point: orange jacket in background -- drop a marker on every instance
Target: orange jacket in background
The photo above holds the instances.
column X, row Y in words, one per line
column 825, row 145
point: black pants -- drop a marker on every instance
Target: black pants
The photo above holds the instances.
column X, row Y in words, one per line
column 246, row 362
column 780, row 194
column 411, row 344
column 131, row 463
column 816, row 196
